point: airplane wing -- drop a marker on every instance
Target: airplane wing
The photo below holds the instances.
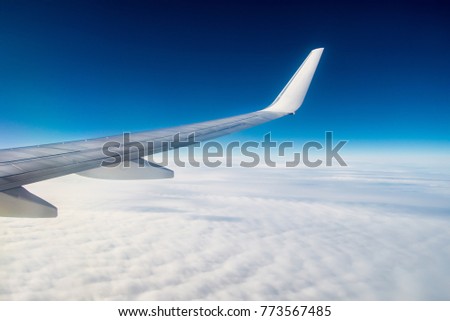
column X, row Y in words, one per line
column 26, row 165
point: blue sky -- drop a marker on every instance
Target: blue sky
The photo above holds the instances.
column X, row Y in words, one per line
column 80, row 69
column 376, row 230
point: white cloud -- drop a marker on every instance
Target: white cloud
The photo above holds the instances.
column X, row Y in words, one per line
column 269, row 234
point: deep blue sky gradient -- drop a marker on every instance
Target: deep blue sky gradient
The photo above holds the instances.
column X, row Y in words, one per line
column 80, row 69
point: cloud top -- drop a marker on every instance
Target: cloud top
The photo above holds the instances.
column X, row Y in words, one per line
column 235, row 234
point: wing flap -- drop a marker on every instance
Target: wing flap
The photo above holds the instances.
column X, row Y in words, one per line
column 134, row 170
column 18, row 202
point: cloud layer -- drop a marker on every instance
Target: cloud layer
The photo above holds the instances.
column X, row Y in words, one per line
column 231, row 234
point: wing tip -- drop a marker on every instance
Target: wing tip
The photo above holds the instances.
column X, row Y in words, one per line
column 291, row 97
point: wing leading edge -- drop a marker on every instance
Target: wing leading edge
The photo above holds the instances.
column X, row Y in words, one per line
column 26, row 165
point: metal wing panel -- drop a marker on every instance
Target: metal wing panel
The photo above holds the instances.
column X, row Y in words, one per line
column 19, row 167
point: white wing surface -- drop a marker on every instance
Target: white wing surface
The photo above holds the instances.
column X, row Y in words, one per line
column 26, row 165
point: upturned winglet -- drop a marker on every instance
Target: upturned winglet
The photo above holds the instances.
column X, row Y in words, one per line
column 291, row 97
